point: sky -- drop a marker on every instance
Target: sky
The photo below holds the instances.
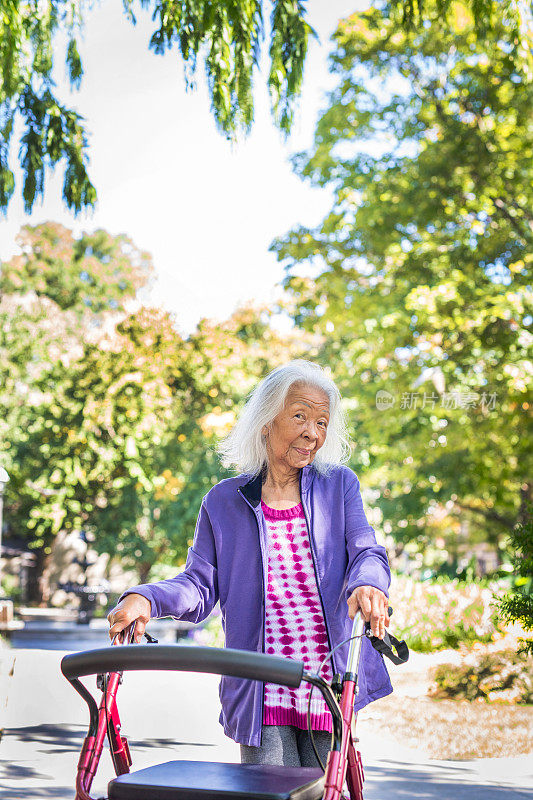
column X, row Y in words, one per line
column 206, row 210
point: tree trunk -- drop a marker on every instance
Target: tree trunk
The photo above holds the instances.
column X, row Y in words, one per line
column 526, row 498
column 144, row 571
column 38, row 587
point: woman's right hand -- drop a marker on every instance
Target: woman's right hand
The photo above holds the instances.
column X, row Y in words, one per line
column 134, row 607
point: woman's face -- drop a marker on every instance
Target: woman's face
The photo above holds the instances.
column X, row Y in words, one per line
column 299, row 430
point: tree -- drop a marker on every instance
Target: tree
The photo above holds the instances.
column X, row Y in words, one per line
column 58, row 296
column 96, row 274
column 423, row 270
column 176, row 398
column 115, row 422
column 108, row 417
column 226, row 36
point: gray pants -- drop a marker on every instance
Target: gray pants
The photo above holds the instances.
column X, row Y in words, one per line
column 287, row 746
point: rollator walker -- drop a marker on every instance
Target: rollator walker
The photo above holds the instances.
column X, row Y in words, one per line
column 201, row 780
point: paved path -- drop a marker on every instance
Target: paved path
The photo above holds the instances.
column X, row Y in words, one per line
column 168, row 716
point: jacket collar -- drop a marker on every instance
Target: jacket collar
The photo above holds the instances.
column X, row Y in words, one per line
column 252, row 489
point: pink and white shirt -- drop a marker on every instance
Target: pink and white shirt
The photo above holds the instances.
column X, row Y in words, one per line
column 294, row 620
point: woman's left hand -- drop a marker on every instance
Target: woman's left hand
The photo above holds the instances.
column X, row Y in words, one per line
column 373, row 605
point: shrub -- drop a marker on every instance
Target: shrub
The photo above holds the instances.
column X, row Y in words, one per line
column 517, row 606
column 436, row 615
column 10, row 587
column 428, row 615
column 503, row 676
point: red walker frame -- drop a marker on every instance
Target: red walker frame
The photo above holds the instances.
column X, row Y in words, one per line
column 344, row 763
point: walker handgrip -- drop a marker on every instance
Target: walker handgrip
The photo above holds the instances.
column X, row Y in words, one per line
column 184, row 658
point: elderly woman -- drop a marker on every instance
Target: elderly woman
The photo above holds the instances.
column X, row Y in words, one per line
column 287, row 550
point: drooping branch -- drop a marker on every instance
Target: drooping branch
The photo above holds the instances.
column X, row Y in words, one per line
column 488, row 514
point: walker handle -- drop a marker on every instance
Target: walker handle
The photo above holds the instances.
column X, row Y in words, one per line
column 185, row 658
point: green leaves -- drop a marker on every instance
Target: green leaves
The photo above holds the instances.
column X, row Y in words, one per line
column 226, row 37
column 288, row 49
column 483, row 15
column 75, row 69
column 88, row 276
column 52, row 132
column 517, row 605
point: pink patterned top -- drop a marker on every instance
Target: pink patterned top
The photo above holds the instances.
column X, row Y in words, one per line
column 294, row 619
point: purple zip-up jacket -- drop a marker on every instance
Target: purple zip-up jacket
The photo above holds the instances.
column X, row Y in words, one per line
column 228, row 561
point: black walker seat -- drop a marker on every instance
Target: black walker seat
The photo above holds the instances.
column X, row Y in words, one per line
column 201, row 780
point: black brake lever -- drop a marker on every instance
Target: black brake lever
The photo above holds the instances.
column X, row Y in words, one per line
column 394, row 649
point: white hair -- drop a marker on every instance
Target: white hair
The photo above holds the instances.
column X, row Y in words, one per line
column 245, row 447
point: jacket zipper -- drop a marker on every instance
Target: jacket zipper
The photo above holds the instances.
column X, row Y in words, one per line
column 263, row 602
column 313, row 556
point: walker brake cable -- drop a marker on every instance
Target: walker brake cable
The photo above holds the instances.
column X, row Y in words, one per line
column 128, row 637
column 386, row 647
column 321, row 666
